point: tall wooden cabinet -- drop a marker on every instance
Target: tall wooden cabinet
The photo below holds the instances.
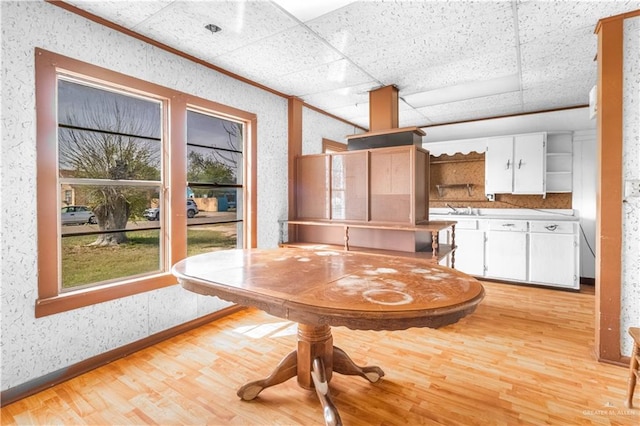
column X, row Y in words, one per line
column 367, row 199
column 381, row 185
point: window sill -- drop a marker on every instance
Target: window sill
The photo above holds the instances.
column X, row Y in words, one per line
column 90, row 296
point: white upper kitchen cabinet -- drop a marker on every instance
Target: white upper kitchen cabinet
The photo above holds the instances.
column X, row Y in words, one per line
column 515, row 164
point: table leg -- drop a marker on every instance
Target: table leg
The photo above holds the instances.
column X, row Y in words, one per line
column 286, row 369
column 313, row 363
column 344, row 365
column 320, row 382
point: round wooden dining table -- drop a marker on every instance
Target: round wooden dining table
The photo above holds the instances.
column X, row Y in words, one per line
column 318, row 289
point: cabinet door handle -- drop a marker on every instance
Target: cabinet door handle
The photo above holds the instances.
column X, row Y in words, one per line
column 551, row 227
column 520, row 163
column 508, row 224
column 508, row 164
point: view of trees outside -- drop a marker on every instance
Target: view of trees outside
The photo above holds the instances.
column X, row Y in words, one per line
column 110, row 154
column 214, row 153
column 111, row 136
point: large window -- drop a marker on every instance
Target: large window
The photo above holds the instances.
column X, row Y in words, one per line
column 110, row 155
column 132, row 177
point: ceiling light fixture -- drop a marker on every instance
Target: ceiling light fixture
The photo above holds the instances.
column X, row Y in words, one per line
column 213, row 28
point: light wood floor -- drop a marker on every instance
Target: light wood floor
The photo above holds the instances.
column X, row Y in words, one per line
column 525, row 357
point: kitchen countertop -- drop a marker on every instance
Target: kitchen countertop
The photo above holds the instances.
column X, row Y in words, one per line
column 504, row 214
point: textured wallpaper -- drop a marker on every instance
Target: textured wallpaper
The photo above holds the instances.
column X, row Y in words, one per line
column 317, row 126
column 30, row 347
column 630, row 312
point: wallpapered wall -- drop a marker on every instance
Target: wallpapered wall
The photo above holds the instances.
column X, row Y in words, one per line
column 630, row 294
column 32, row 348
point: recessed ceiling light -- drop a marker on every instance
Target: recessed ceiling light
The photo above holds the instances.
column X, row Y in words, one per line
column 213, row 28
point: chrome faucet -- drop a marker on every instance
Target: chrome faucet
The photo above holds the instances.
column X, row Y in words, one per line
column 455, row 211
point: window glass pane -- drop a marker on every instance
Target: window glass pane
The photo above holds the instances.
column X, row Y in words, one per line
column 205, row 238
column 214, row 132
column 112, row 206
column 81, row 105
column 207, row 165
column 85, row 263
column 104, row 235
column 215, row 174
column 107, row 135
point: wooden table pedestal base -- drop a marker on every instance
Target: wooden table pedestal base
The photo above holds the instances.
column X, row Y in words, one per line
column 313, row 363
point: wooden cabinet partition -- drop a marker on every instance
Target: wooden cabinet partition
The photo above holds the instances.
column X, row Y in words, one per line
column 381, row 185
column 367, row 200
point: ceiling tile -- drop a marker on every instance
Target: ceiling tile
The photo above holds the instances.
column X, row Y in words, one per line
column 477, row 68
column 580, row 45
column 128, row 14
column 182, row 25
column 352, row 111
column 358, row 94
column 411, row 117
column 308, row 10
column 287, row 52
column 539, row 19
column 364, row 26
column 558, row 73
column 491, row 104
column 569, row 92
column 326, row 77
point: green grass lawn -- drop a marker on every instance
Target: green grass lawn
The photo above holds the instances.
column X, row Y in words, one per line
column 83, row 264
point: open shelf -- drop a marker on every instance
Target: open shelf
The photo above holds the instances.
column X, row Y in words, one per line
column 442, row 187
column 442, row 252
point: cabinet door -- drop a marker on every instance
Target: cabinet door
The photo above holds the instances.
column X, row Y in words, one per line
column 469, row 256
column 506, row 253
column 529, row 164
column 312, row 187
column 349, row 185
column 553, row 259
column 391, row 185
column 499, row 165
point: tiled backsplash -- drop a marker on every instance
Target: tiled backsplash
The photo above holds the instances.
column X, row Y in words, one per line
column 466, row 173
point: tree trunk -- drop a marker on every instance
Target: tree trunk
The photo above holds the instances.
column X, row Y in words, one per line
column 112, row 213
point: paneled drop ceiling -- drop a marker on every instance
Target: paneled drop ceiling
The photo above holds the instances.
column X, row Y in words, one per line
column 451, row 60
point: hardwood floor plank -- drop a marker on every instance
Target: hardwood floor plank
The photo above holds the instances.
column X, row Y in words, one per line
column 524, row 357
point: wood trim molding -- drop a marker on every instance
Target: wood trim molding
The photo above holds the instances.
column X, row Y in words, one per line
column 333, row 146
column 609, row 190
column 295, row 149
column 251, row 210
column 51, row 379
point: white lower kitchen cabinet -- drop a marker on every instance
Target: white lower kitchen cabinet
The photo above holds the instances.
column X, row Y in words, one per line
column 554, row 254
column 469, row 256
column 542, row 252
column 506, row 251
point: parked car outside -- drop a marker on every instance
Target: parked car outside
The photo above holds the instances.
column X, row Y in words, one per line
column 154, row 212
column 77, row 215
